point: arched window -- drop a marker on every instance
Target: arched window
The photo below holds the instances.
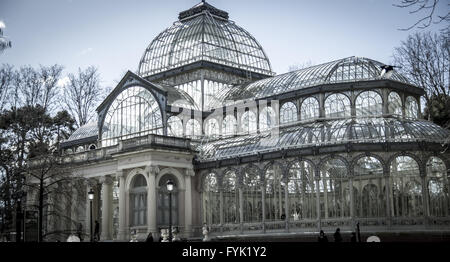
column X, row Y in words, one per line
column 288, row 113
column 274, row 193
column 229, row 125
column 248, row 122
column 394, row 104
column 134, row 112
column 252, row 195
column 309, row 109
column 369, row 188
column 174, row 126
column 406, row 187
column 368, row 103
column 302, row 191
column 230, row 198
column 163, row 201
column 138, row 201
column 211, row 200
column 337, row 105
column 193, row 128
column 411, row 107
column 438, row 188
column 212, row 127
column 334, row 189
column 267, row 118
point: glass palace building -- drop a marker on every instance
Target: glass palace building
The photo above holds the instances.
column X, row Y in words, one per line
column 252, row 152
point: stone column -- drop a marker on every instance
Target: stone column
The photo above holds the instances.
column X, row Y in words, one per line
column 106, row 182
column 122, row 212
column 352, row 212
column 188, row 203
column 151, row 172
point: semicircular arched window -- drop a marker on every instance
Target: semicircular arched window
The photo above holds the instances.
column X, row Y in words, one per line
column 411, row 107
column 337, row 105
column 134, row 112
column 368, row 103
column 174, row 126
column 229, row 125
column 394, row 104
column 288, row 113
column 193, row 128
column 267, row 118
column 309, row 109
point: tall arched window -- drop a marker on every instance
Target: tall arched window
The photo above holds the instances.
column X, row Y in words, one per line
column 334, row 189
column 229, row 125
column 174, row 126
column 288, row 113
column 133, row 112
column 163, row 201
column 394, row 104
column 369, row 188
column 411, row 107
column 267, row 118
column 309, row 109
column 230, row 198
column 337, row 105
column 368, row 103
column 438, row 188
column 248, row 122
column 406, row 187
column 193, row 128
column 274, row 193
column 138, row 201
column 211, row 200
column 302, row 190
column 212, row 127
column 252, row 195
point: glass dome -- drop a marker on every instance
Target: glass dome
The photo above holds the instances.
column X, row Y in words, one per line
column 204, row 33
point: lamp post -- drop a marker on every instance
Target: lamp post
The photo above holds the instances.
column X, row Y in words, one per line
column 169, row 185
column 91, row 197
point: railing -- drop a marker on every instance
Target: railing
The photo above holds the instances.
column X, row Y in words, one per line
column 127, row 144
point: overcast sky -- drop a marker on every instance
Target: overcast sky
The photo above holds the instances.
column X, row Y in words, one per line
column 113, row 34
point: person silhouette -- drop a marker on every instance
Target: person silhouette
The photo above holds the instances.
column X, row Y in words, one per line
column 337, row 235
column 322, row 237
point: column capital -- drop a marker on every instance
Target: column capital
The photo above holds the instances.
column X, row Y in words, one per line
column 152, row 169
column 106, row 180
column 189, row 172
column 120, row 173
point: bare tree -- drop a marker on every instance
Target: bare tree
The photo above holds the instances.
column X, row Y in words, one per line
column 37, row 86
column 81, row 94
column 428, row 7
column 425, row 59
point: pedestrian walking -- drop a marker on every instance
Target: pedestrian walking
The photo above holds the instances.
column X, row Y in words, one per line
column 337, row 235
column 97, row 231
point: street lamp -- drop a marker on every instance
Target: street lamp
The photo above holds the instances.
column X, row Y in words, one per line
column 91, row 197
column 169, row 185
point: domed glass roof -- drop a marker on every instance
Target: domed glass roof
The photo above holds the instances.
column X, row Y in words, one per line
column 204, row 33
column 350, row 69
column 320, row 133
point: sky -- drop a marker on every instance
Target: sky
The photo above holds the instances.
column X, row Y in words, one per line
column 113, row 34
